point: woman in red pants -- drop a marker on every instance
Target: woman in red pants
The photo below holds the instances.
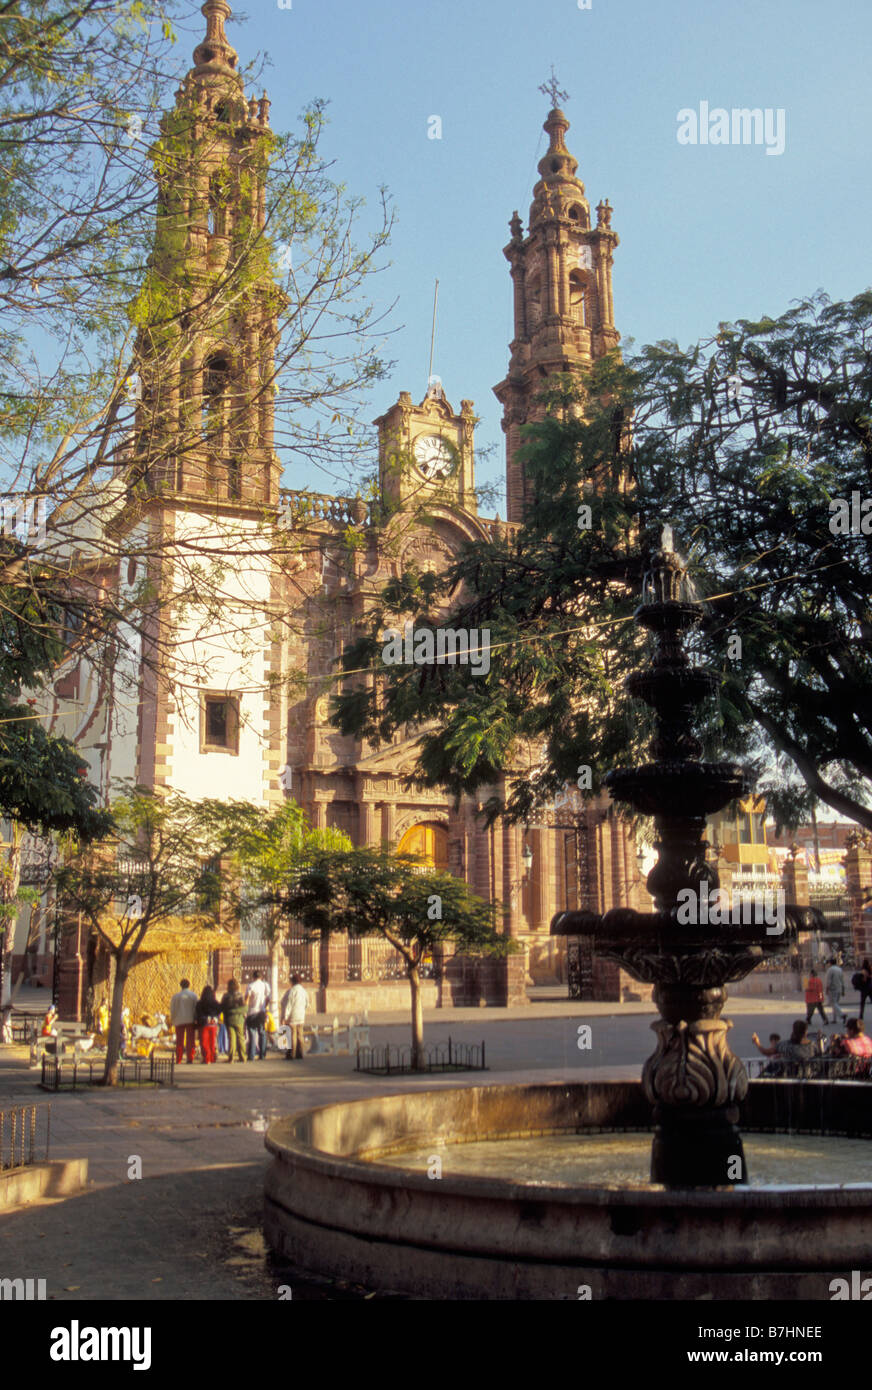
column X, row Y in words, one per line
column 208, row 1017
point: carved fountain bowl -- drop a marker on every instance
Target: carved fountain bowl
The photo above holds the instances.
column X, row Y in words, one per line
column 677, row 788
column 335, row 1203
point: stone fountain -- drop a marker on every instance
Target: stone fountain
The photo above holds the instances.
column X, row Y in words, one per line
column 693, row 1080
column 351, row 1192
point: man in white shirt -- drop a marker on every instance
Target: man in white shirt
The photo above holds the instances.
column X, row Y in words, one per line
column 183, row 1012
column 256, row 1000
column 295, row 1016
column 834, row 985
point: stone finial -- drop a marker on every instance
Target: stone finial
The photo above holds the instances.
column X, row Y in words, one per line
column 604, row 214
column 215, row 51
column 263, row 107
column 515, row 226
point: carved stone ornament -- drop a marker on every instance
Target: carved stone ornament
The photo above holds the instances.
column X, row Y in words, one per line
column 693, row 1065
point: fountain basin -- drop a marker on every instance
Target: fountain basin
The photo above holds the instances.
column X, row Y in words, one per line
column 331, row 1206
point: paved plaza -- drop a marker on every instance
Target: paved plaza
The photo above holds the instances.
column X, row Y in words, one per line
column 189, row 1228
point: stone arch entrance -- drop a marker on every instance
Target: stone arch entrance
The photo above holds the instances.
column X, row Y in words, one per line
column 428, row 840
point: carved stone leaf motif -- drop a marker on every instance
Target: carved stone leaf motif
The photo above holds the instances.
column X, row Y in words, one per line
column 693, row 1065
column 707, row 969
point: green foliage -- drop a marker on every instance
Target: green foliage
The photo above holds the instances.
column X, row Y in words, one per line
column 367, row 892
column 264, row 851
column 740, row 443
column 159, row 853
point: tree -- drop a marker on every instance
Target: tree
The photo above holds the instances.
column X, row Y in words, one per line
column 157, row 872
column 103, row 305
column 266, row 849
column 755, row 447
column 367, row 892
column 43, row 783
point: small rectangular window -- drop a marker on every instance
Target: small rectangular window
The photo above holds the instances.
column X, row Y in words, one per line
column 219, row 723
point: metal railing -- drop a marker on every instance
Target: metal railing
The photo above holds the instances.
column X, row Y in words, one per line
column 373, row 959
column 20, row 1141
column 397, row 1061
column 59, row 1074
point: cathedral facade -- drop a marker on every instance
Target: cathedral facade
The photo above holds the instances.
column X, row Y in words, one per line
column 248, row 716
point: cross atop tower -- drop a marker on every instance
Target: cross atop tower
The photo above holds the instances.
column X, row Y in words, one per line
column 551, row 89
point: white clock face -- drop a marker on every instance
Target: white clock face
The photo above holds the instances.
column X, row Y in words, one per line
column 433, row 456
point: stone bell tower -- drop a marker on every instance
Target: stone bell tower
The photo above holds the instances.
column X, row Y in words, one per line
column 204, row 426
column 562, row 277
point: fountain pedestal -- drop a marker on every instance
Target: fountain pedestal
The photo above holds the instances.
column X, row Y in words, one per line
column 684, row 948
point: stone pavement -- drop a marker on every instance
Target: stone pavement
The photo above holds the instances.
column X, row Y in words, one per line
column 189, row 1227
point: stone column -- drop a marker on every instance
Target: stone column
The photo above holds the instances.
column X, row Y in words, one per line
column 543, row 869
column 368, row 820
column 512, row 872
column 70, row 984
column 858, row 884
column 389, row 822
column 794, row 878
column 553, row 279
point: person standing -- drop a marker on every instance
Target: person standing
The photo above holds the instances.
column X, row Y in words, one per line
column 233, row 1009
column 834, row 985
column 295, row 1018
column 208, row 1014
column 183, row 1011
column 256, row 1000
column 814, row 996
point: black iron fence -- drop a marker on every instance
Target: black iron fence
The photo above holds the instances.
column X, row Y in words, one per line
column 25, row 1028
column 59, row 1074
column 25, row 1135
column 442, row 1056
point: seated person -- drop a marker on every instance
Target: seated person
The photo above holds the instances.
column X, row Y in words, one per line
column 772, row 1068
column 799, row 1047
column 854, row 1043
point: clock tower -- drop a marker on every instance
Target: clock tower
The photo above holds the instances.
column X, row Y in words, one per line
column 427, row 451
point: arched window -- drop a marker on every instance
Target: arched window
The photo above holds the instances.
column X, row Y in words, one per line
column 216, row 375
column 216, row 212
column 534, row 304
column 577, row 307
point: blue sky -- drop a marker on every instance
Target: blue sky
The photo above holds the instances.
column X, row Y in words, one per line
column 708, row 233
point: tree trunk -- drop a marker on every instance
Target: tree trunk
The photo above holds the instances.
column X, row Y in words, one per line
column 274, row 978
column 417, row 1019
column 113, row 1045
column 9, row 885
